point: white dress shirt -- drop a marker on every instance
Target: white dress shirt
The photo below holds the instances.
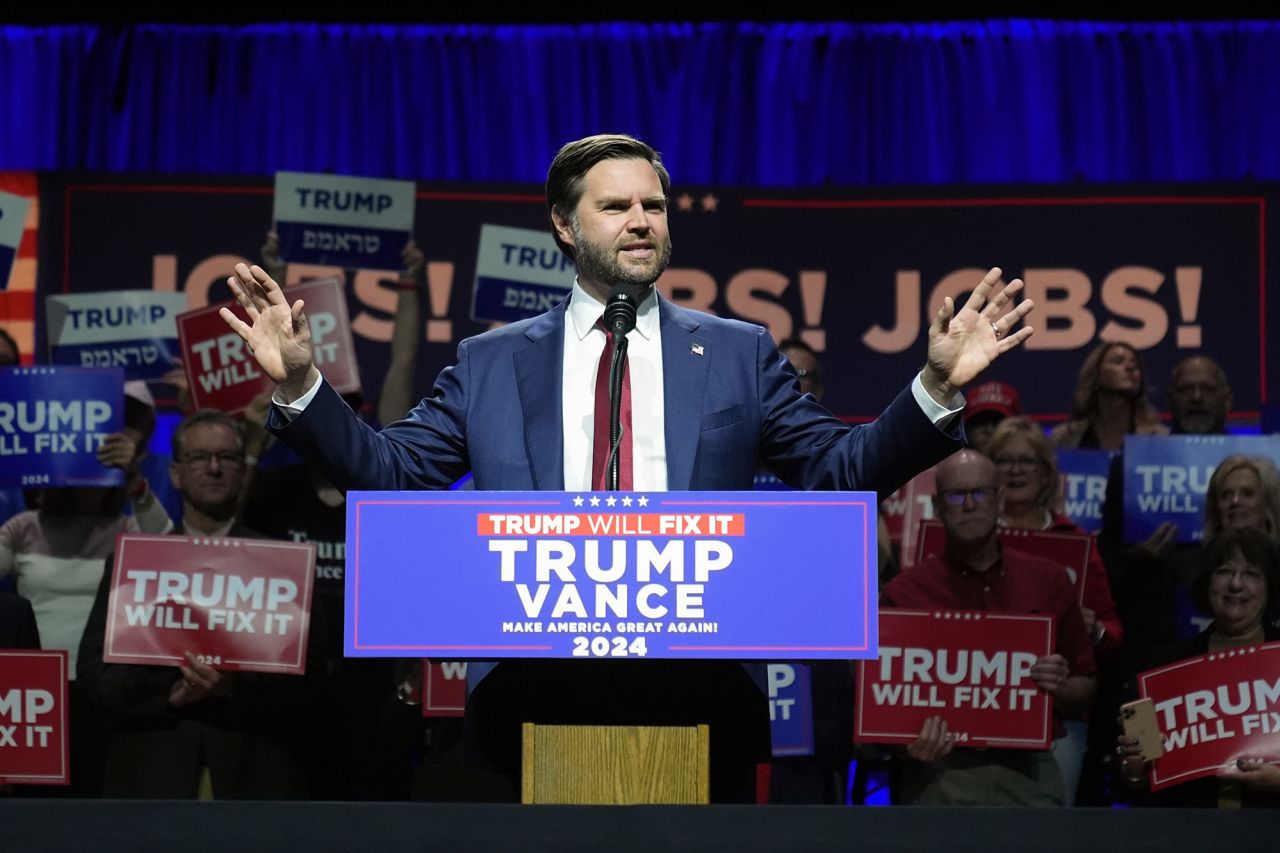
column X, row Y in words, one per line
column 584, row 341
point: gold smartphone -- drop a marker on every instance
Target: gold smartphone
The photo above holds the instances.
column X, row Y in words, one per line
column 1138, row 718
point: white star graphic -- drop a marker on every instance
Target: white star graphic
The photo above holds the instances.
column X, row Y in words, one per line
column 595, row 501
column 611, row 500
column 577, row 501
column 642, row 500
column 626, row 501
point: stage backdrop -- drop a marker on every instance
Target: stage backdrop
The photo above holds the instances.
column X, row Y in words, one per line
column 1170, row 269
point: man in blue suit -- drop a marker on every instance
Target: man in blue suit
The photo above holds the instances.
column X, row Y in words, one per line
column 713, row 397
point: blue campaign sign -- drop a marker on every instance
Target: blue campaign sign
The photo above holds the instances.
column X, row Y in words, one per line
column 338, row 220
column 1165, row 478
column 737, row 575
column 132, row 329
column 52, row 421
column 519, row 273
column 1084, row 485
column 790, row 708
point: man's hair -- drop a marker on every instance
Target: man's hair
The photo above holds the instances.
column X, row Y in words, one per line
column 569, row 169
column 1257, row 549
column 205, row 416
column 1218, row 373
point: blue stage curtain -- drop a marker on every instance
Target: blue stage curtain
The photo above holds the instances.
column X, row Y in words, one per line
column 799, row 104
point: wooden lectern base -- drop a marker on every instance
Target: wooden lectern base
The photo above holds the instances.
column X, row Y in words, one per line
column 615, row 765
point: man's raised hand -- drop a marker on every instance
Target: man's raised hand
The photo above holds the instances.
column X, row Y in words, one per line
column 963, row 344
column 277, row 335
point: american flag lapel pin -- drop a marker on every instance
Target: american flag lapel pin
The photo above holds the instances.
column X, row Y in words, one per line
column 696, row 349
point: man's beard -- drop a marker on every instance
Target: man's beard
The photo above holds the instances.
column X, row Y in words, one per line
column 599, row 264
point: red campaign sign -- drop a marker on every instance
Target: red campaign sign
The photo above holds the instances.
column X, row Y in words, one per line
column 331, row 342
column 220, row 371
column 1213, row 709
column 970, row 668
column 1069, row 550
column 33, row 717
column 444, row 688
column 238, row 604
column 905, row 510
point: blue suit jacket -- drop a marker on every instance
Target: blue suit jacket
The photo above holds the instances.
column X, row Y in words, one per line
column 731, row 401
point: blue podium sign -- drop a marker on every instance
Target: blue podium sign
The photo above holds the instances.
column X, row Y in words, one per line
column 738, row 575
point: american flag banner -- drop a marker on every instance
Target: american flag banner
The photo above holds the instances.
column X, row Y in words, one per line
column 18, row 293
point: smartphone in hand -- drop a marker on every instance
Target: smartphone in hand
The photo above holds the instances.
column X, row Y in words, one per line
column 1138, row 718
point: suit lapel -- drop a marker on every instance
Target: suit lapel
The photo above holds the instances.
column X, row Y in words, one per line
column 685, row 361
column 539, row 369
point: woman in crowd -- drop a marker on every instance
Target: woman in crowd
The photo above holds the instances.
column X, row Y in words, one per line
column 1244, row 491
column 1110, row 402
column 1239, row 586
column 1032, row 491
column 56, row 554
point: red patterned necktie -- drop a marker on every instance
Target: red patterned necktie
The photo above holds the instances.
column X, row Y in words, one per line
column 601, row 448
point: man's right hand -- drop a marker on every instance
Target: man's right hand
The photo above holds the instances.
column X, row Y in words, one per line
column 278, row 335
column 933, row 743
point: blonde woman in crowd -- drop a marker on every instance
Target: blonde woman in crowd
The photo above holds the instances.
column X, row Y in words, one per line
column 1110, row 402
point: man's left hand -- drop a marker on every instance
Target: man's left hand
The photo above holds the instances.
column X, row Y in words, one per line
column 198, row 681
column 1050, row 673
column 962, row 345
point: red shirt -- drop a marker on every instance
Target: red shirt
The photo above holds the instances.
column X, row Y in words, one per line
column 1017, row 583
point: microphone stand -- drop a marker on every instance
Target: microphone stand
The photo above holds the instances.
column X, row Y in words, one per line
column 619, row 318
column 617, row 368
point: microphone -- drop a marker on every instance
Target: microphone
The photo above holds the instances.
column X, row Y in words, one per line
column 619, row 318
column 620, row 309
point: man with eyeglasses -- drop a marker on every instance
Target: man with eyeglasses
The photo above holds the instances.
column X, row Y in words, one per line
column 975, row 572
column 197, row 732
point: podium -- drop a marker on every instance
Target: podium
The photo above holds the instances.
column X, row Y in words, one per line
column 620, row 621
column 615, row 765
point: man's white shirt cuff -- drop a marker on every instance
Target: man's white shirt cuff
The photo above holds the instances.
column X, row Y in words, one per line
column 934, row 411
column 292, row 410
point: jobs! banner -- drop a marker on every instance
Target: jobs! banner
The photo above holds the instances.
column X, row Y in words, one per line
column 135, row 330
column 971, row 668
column 1213, row 709
column 221, row 372
column 1069, row 550
column 237, row 604
column 1166, row 477
column 331, row 345
column 1169, row 269
column 52, row 422
column 485, row 575
column 343, row 221
column 33, row 717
